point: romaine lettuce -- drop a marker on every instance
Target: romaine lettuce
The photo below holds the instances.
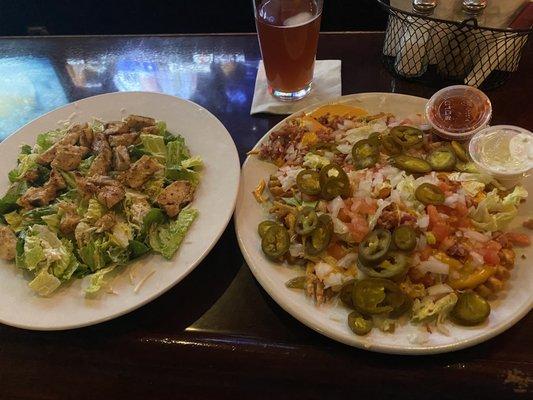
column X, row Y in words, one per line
column 167, row 238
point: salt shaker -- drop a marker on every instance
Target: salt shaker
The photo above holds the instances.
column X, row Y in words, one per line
column 424, row 6
column 474, row 6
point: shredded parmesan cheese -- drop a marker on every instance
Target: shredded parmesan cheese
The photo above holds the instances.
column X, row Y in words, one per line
column 148, row 275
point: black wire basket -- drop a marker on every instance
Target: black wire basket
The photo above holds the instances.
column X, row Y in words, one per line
column 439, row 53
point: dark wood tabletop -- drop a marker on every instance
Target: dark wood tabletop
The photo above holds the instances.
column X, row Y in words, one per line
column 218, row 334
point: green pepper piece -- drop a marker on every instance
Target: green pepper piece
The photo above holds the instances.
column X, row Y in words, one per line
column 395, row 264
column 365, row 154
column 404, row 238
column 374, row 247
column 334, row 182
column 411, row 164
column 428, row 193
column 275, row 241
column 308, row 181
column 470, row 309
column 264, row 226
column 407, row 136
column 319, row 239
column 359, row 324
column 442, row 159
column 306, row 221
column 459, row 151
column 369, row 295
column 390, row 146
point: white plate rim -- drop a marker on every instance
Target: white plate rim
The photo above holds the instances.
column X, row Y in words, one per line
column 226, row 218
column 292, row 308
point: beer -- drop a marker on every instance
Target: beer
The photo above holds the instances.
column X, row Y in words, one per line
column 288, row 37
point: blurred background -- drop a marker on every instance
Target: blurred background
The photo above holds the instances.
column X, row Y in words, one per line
column 100, row 17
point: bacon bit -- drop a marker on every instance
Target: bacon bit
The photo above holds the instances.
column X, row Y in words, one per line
column 528, row 224
column 258, row 191
column 428, row 328
column 336, row 251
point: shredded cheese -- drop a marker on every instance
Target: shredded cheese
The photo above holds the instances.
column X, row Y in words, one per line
column 148, row 275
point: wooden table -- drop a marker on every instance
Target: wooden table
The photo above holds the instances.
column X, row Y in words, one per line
column 218, row 334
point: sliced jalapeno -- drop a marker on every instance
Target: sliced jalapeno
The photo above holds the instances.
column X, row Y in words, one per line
column 459, row 151
column 428, row 193
column 400, row 303
column 369, row 295
column 346, row 293
column 359, row 324
column 308, row 181
column 296, row 283
column 334, row 182
column 395, row 264
column 442, row 159
column 263, row 227
column 390, row 146
column 411, row 164
column 374, row 138
column 365, row 154
column 407, row 136
column 319, row 239
column 275, row 241
column 306, row 221
column 470, row 309
column 374, row 247
column 404, row 238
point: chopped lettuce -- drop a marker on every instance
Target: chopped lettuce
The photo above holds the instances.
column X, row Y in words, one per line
column 14, row 220
column 494, row 213
column 154, row 186
column 97, row 280
column 155, row 146
column 44, row 283
column 48, row 139
column 121, row 234
column 315, row 161
column 8, row 203
column 166, row 238
column 85, row 164
column 177, row 151
column 428, row 309
column 95, row 210
column 26, row 163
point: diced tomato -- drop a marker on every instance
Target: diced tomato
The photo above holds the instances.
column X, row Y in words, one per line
column 490, row 256
column 434, row 217
column 518, row 239
column 445, row 187
column 444, row 209
column 493, row 245
column 446, row 243
column 336, row 251
column 368, row 206
column 441, row 231
column 344, row 216
column 358, row 227
column 460, row 209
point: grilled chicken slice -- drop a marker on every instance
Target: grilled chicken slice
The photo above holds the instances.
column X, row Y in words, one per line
column 44, row 195
column 140, row 172
column 102, row 162
column 70, row 218
column 175, row 196
column 124, row 139
column 71, row 137
column 121, row 158
column 8, row 243
column 68, row 157
column 106, row 222
column 137, row 122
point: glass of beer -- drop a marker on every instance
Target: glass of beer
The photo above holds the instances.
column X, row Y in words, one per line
column 288, row 37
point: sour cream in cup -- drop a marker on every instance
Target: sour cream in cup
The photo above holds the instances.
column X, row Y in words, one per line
column 503, row 151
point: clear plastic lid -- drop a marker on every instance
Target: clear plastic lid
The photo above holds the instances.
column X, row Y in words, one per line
column 505, row 151
column 458, row 112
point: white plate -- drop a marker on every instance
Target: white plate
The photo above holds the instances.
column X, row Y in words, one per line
column 215, row 199
column 329, row 320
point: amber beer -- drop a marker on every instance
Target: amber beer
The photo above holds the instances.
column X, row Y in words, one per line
column 288, row 37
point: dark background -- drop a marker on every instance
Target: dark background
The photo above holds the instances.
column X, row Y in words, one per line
column 102, row 17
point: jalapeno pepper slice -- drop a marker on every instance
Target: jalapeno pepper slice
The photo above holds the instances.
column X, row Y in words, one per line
column 407, row 136
column 428, row 193
column 395, row 264
column 296, row 283
column 308, row 181
column 275, row 241
column 390, row 146
column 404, row 238
column 400, row 302
column 263, row 227
column 334, row 182
column 319, row 239
column 365, row 154
column 459, row 151
column 411, row 164
column 370, row 295
column 374, row 138
column 442, row 159
column 346, row 293
column 374, row 247
column 306, row 221
column 359, row 324
column 470, row 309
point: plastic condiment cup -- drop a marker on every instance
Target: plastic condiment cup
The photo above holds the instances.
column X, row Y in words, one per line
column 507, row 177
column 458, row 112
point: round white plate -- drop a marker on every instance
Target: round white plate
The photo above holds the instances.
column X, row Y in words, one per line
column 330, row 320
column 215, row 199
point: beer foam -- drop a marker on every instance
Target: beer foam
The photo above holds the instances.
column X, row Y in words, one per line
column 299, row 19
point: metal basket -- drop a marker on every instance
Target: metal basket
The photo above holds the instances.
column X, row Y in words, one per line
column 440, row 53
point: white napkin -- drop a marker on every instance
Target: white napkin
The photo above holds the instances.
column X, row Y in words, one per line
column 326, row 85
